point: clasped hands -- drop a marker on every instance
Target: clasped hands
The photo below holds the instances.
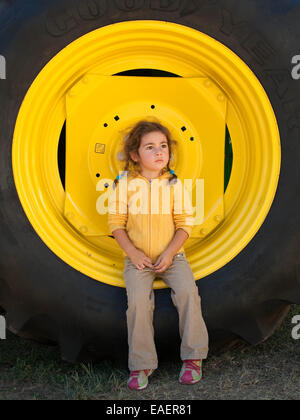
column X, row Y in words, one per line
column 141, row 260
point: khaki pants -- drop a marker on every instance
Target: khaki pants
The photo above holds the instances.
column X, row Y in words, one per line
column 184, row 292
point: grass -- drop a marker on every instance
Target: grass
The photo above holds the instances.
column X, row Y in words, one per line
column 270, row 370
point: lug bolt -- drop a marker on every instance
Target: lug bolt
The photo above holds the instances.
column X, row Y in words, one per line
column 85, row 80
column 83, row 229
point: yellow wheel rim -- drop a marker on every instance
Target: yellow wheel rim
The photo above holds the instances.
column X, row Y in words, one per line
column 168, row 47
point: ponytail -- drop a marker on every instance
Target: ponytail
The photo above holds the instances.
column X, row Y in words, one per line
column 172, row 180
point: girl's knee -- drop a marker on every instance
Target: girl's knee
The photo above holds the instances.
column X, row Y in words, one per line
column 186, row 292
column 140, row 299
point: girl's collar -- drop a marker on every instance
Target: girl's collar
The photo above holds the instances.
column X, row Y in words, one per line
column 165, row 174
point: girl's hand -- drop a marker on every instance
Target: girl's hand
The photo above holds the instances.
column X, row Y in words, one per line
column 163, row 262
column 140, row 259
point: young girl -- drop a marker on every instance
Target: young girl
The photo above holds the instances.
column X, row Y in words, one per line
column 153, row 245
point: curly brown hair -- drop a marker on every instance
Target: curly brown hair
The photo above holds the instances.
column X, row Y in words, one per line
column 132, row 142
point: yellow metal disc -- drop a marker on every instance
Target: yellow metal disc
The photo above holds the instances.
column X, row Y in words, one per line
column 168, row 47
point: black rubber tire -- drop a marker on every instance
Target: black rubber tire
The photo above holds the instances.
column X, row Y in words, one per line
column 45, row 298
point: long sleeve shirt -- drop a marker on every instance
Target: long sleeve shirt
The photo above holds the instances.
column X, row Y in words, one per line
column 150, row 211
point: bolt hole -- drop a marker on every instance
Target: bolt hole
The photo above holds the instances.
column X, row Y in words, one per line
column 192, row 138
column 152, row 106
column 106, row 185
column 98, row 175
column 105, row 125
column 117, row 118
column 183, row 129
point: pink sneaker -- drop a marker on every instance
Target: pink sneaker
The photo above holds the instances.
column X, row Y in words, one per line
column 191, row 372
column 138, row 379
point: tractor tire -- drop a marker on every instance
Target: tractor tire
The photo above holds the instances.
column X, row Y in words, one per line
column 45, row 298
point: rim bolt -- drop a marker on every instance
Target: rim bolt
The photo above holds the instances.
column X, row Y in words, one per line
column 207, row 83
column 85, row 80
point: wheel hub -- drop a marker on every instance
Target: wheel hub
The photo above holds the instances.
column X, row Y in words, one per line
column 99, row 110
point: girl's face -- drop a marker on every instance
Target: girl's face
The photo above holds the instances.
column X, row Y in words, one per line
column 153, row 152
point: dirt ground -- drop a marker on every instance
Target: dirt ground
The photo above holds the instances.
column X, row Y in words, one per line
column 268, row 371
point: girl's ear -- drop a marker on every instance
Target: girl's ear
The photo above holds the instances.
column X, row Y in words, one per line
column 133, row 156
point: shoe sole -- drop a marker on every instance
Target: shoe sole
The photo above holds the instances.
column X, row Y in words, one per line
column 138, row 389
column 189, row 383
